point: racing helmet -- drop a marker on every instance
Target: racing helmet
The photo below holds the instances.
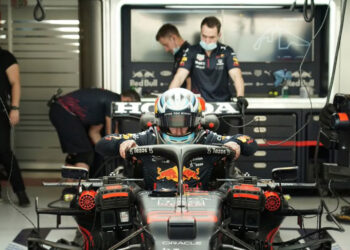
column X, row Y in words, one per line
column 178, row 108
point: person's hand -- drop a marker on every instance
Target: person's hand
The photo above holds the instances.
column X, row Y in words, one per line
column 125, row 146
column 235, row 147
column 14, row 117
column 326, row 115
column 242, row 103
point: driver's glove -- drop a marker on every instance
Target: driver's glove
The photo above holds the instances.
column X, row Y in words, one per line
column 242, row 103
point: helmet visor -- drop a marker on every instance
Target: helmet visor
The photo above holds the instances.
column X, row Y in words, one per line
column 177, row 120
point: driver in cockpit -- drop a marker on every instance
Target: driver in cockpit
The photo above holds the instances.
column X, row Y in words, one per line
column 178, row 114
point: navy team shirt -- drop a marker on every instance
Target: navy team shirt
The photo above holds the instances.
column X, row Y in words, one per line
column 177, row 59
column 90, row 105
column 209, row 75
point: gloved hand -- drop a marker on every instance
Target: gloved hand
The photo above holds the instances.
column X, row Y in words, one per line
column 242, row 103
column 326, row 115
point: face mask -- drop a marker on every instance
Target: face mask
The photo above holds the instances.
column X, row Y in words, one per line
column 175, row 50
column 208, row 47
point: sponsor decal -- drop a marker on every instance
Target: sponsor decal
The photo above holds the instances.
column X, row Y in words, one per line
column 123, row 108
column 257, row 72
column 200, row 57
column 142, row 150
column 143, row 78
column 182, row 243
column 216, row 151
column 183, row 60
column 235, row 62
column 189, row 174
column 127, row 136
column 165, row 73
column 200, row 66
column 244, row 138
column 219, row 62
column 109, row 138
column 199, row 63
column 172, row 174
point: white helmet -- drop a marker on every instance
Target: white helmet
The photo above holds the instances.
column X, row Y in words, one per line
column 178, row 108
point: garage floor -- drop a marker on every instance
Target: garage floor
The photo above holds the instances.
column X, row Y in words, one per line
column 12, row 222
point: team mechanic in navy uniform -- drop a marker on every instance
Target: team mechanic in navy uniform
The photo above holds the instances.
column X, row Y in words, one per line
column 169, row 37
column 178, row 114
column 210, row 64
column 79, row 117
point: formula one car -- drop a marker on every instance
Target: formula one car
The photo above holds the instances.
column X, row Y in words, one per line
column 242, row 212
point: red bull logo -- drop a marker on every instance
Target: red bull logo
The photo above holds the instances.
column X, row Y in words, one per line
column 235, row 62
column 188, row 174
column 171, row 174
column 244, row 138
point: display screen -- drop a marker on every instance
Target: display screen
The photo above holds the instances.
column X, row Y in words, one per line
column 256, row 35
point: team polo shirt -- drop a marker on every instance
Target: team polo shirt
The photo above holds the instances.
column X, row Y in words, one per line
column 209, row 75
column 91, row 106
column 177, row 59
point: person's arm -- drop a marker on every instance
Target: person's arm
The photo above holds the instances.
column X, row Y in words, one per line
column 112, row 144
column 116, row 130
column 188, row 83
column 179, row 78
column 247, row 144
column 95, row 133
column 125, row 146
column 237, row 78
column 108, row 125
column 12, row 73
column 235, row 147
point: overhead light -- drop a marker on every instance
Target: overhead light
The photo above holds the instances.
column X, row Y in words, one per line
column 217, row 6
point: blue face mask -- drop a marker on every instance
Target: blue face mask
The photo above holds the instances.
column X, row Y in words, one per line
column 175, row 50
column 207, row 47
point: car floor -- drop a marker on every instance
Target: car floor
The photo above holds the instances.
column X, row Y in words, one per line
column 12, row 218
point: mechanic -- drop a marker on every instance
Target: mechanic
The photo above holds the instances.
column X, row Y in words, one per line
column 169, row 37
column 210, row 64
column 79, row 117
column 10, row 92
column 178, row 114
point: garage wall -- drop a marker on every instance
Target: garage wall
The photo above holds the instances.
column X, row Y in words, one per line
column 48, row 55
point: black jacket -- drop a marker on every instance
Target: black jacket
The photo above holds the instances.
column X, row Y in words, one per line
column 159, row 172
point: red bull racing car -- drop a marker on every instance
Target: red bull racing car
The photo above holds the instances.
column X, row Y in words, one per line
column 114, row 212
